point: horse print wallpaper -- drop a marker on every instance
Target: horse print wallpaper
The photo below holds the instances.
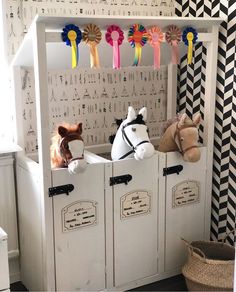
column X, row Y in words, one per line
column 191, row 82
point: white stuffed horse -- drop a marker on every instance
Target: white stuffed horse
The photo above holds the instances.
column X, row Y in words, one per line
column 132, row 138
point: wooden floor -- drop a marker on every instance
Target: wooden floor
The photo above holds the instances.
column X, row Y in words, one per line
column 176, row 283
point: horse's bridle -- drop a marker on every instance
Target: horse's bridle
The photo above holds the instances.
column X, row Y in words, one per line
column 63, row 147
column 177, row 134
column 127, row 140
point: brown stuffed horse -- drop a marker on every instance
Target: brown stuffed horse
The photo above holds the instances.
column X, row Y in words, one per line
column 181, row 134
column 67, row 148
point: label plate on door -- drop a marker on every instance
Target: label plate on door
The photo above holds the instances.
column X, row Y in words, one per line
column 79, row 214
column 135, row 203
column 185, row 193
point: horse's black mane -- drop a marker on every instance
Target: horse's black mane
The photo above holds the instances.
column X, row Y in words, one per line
column 118, row 122
column 112, row 137
column 139, row 120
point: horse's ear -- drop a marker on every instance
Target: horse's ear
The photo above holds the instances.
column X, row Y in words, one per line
column 197, row 119
column 131, row 114
column 79, row 129
column 183, row 119
column 143, row 112
column 62, row 131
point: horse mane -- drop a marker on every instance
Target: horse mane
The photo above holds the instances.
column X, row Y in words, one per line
column 56, row 159
column 118, row 122
column 176, row 119
column 139, row 119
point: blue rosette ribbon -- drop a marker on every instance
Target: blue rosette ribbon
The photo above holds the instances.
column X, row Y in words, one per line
column 72, row 36
column 189, row 37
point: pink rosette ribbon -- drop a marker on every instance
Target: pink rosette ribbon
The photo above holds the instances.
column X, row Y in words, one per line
column 155, row 37
column 173, row 37
column 114, row 37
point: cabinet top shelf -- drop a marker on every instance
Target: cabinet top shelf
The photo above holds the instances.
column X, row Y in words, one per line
column 58, row 22
column 24, row 55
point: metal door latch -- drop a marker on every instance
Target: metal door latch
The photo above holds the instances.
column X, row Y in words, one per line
column 64, row 189
column 172, row 169
column 115, row 180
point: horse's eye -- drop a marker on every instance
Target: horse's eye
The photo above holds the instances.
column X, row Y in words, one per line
column 66, row 147
column 181, row 139
column 133, row 129
column 148, row 130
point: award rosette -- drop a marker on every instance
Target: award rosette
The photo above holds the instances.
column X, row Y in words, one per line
column 92, row 36
column 190, row 37
column 72, row 36
column 137, row 37
column 173, row 37
column 155, row 37
column 114, row 37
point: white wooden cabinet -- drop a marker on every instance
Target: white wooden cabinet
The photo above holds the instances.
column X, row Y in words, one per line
column 4, row 268
column 96, row 238
column 8, row 216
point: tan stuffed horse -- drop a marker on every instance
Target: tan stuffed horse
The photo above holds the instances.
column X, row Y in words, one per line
column 181, row 134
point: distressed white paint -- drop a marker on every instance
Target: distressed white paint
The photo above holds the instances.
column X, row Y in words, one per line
column 42, row 114
column 187, row 221
column 30, row 217
column 80, row 253
column 136, row 238
column 209, row 116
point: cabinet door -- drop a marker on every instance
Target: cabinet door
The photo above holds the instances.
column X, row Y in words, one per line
column 185, row 207
column 135, row 221
column 79, row 230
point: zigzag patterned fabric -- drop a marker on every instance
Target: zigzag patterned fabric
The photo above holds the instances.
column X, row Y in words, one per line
column 191, row 99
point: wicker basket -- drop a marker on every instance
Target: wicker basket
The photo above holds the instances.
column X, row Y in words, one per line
column 210, row 266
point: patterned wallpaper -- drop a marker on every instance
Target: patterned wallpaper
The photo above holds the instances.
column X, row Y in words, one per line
column 191, row 91
column 20, row 13
column 96, row 98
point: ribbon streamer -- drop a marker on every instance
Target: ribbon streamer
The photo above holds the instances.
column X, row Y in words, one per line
column 72, row 36
column 137, row 37
column 190, row 37
column 155, row 37
column 114, row 37
column 173, row 37
column 92, row 36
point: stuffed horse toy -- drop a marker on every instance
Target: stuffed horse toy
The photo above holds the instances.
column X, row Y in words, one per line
column 67, row 148
column 131, row 139
column 181, row 134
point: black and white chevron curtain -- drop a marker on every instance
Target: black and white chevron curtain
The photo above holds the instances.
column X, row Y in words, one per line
column 191, row 89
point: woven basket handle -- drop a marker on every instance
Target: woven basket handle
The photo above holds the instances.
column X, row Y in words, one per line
column 192, row 249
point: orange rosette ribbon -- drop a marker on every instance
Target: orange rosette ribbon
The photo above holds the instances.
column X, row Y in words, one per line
column 155, row 38
column 173, row 37
column 92, row 36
